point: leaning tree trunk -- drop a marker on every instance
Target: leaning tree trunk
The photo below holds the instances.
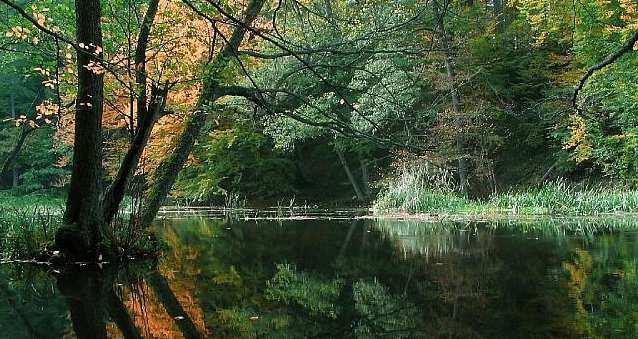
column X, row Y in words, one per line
column 167, row 171
column 351, row 178
column 83, row 207
column 115, row 193
column 147, row 115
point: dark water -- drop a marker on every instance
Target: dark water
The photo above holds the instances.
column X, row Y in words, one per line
column 341, row 279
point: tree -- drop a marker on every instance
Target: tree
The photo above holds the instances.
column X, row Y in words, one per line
column 84, row 205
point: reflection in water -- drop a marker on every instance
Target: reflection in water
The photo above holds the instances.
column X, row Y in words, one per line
column 100, row 307
column 332, row 279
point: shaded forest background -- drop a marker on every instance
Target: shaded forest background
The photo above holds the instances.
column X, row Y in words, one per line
column 335, row 97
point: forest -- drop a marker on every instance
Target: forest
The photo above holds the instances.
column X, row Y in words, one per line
column 120, row 119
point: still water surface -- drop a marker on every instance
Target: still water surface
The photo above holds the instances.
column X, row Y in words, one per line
column 341, row 278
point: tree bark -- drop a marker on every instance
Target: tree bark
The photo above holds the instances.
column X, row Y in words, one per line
column 365, row 177
column 166, row 173
column 86, row 296
column 147, row 117
column 14, row 174
column 499, row 15
column 83, row 206
column 140, row 58
column 118, row 313
column 115, row 193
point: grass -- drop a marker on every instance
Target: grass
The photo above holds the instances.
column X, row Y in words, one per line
column 413, row 192
column 27, row 233
column 8, row 200
column 28, row 225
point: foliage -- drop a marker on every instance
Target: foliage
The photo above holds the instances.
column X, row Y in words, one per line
column 380, row 312
column 237, row 160
column 296, row 289
column 420, row 186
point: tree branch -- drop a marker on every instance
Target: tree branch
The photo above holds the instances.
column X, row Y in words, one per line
column 611, row 58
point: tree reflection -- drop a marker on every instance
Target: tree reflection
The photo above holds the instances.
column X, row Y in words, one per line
column 357, row 279
column 94, row 302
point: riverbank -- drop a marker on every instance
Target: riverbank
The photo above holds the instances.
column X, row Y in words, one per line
column 556, row 199
column 10, row 200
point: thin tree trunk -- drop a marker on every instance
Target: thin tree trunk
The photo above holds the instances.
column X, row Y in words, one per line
column 146, row 118
column 499, row 14
column 140, row 58
column 344, row 246
column 83, row 206
column 351, row 178
column 166, row 173
column 446, row 41
column 14, row 174
column 118, row 313
column 365, row 177
column 8, row 171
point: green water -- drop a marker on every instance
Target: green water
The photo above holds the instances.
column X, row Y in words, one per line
column 341, row 278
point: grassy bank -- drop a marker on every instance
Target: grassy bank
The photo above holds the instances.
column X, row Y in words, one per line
column 409, row 194
column 28, row 225
column 9, row 200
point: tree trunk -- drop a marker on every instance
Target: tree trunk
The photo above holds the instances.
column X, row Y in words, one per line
column 118, row 313
column 499, row 15
column 8, row 172
column 115, row 193
column 140, row 58
column 167, row 171
column 85, row 293
column 83, row 206
column 365, row 177
column 147, row 116
column 446, row 42
column 351, row 178
column 14, row 174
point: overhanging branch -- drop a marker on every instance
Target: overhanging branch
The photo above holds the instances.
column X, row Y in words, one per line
column 610, row 59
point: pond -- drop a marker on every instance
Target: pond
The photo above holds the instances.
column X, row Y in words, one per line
column 334, row 276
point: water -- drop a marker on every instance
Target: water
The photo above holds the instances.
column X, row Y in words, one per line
column 341, row 278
